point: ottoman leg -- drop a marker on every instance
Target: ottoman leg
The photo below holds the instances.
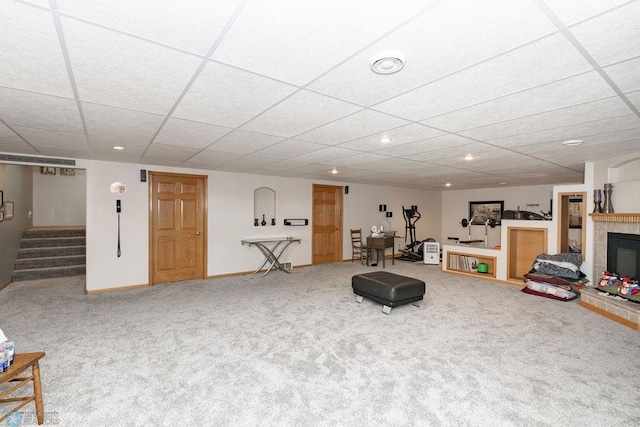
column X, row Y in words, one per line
column 386, row 309
column 358, row 298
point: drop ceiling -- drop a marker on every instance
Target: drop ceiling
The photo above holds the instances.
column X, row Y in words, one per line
column 283, row 87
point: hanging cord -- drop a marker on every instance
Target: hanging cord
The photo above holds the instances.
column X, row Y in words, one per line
column 119, row 252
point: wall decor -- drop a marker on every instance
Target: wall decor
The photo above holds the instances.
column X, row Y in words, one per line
column 480, row 212
column 8, row 210
column 1, row 216
column 67, row 172
column 1, row 199
column 47, row 170
column 575, row 212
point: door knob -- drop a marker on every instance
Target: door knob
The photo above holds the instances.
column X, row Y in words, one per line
column 197, row 233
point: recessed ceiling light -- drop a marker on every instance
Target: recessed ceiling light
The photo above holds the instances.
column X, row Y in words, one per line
column 117, row 147
column 503, row 183
column 448, row 184
column 572, row 142
column 387, row 63
column 468, row 157
column 385, row 139
column 334, row 171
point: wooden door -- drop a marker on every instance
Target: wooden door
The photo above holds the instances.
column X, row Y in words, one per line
column 327, row 224
column 178, row 227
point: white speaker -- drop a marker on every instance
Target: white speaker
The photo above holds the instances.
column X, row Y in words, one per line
column 431, row 252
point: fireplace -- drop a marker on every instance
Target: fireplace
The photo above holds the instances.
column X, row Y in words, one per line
column 623, row 254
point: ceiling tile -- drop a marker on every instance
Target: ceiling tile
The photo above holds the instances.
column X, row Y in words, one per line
column 565, row 93
column 53, row 139
column 619, row 28
column 31, row 58
column 442, row 41
column 400, row 135
column 324, row 155
column 625, row 75
column 117, row 126
column 187, row 133
column 356, row 159
column 365, row 122
column 168, row 152
column 275, row 38
column 535, row 64
column 113, row 69
column 7, row 136
column 446, row 141
column 245, row 164
column 39, row 111
column 243, row 142
column 211, row 158
column 227, row 96
column 299, row 113
column 589, row 131
column 192, row 25
column 289, row 148
column 575, row 114
column 572, row 11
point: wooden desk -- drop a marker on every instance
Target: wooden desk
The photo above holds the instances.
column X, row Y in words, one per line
column 380, row 244
column 22, row 362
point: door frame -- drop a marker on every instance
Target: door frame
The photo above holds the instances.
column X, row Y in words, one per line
column 205, row 218
column 339, row 242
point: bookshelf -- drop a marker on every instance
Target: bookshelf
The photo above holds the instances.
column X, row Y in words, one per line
column 466, row 263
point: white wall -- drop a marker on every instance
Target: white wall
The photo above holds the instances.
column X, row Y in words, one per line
column 230, row 219
column 16, row 184
column 59, row 200
column 455, row 207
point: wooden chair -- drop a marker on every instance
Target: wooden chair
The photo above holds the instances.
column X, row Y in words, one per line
column 359, row 251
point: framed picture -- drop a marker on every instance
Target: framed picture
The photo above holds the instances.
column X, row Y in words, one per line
column 47, row 170
column 480, row 212
column 8, row 210
column 67, row 172
column 1, row 199
column 575, row 213
column 1, row 216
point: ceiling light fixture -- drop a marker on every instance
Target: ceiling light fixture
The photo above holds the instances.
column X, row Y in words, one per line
column 387, row 63
column 468, row 157
column 503, row 183
column 448, row 184
column 572, row 142
column 117, row 147
column 334, row 171
column 385, row 139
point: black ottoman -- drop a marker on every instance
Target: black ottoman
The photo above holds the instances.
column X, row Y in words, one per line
column 390, row 290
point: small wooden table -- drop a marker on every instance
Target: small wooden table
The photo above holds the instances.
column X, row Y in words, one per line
column 380, row 244
column 22, row 362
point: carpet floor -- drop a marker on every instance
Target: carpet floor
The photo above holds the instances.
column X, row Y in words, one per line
column 297, row 350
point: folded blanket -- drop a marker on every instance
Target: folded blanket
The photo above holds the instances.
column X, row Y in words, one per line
column 549, row 289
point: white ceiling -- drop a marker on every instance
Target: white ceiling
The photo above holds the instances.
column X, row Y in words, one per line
column 283, row 87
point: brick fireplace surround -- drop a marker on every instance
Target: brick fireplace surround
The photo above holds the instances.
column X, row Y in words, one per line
column 624, row 312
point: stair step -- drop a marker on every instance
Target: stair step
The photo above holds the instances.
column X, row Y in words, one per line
column 54, row 232
column 46, row 273
column 52, row 241
column 53, row 261
column 40, row 252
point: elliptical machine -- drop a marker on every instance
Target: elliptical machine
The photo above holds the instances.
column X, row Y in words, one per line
column 414, row 250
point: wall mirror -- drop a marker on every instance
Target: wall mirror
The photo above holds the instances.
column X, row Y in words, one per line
column 264, row 206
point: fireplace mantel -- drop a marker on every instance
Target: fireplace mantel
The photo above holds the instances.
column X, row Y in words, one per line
column 616, row 217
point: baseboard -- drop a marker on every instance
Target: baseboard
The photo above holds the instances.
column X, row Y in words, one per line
column 121, row 288
column 244, row 273
column 6, row 284
column 610, row 315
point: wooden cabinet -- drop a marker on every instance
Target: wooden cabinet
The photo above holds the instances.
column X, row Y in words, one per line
column 524, row 245
column 464, row 262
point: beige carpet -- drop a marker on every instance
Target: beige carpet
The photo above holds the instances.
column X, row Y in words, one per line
column 296, row 350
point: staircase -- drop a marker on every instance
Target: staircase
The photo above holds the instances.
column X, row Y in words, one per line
column 51, row 252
